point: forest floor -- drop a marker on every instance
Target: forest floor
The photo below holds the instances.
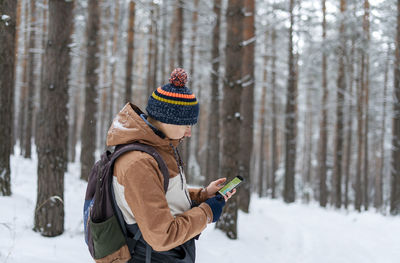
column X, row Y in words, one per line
column 272, row 232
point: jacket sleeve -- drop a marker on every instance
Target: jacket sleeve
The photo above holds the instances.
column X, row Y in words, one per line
column 199, row 195
column 144, row 193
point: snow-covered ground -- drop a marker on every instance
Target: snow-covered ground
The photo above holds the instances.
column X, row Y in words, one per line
column 272, row 232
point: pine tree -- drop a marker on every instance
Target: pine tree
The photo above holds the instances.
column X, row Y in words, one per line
column 88, row 136
column 323, row 126
column 336, row 197
column 31, row 81
column 261, row 171
column 395, row 192
column 365, row 85
column 274, row 106
column 290, row 117
column 52, row 121
column 129, row 59
column 378, row 197
column 8, row 23
column 213, row 149
column 247, row 106
column 231, row 111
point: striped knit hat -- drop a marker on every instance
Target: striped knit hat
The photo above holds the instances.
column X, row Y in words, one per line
column 174, row 103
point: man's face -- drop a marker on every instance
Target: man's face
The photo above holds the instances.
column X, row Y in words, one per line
column 176, row 132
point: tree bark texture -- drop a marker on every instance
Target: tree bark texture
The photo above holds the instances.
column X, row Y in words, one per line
column 112, row 109
column 349, row 142
column 150, row 55
column 358, row 186
column 16, row 54
column 395, row 190
column 336, row 197
column 274, row 133
column 323, row 131
column 164, row 41
column 179, row 32
column 52, row 121
column 43, row 46
column 24, row 86
column 156, row 45
column 129, row 58
column 88, row 135
column 378, row 197
column 231, row 111
column 290, row 119
column 213, row 160
column 365, row 81
column 7, row 65
column 104, row 82
column 31, row 82
column 261, row 177
column 247, row 103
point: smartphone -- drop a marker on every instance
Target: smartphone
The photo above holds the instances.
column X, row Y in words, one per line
column 231, row 185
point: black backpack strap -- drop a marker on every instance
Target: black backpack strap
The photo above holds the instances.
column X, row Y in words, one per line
column 148, row 253
column 120, row 150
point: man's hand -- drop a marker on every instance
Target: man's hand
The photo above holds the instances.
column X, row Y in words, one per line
column 215, row 186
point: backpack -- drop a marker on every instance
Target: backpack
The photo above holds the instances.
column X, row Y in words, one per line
column 105, row 230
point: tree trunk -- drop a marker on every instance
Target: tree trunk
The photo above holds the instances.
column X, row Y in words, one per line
column 7, row 81
column 14, row 128
column 105, row 86
column 213, row 160
column 262, row 129
column 156, row 42
column 88, row 136
column 177, row 48
column 24, row 87
column 323, row 131
column 365, row 80
column 193, row 40
column 274, row 133
column 290, row 118
column 44, row 40
column 231, row 108
column 349, row 125
column 358, row 189
column 150, row 55
column 111, row 106
column 31, row 82
column 129, row 58
column 53, row 121
column 308, row 135
column 173, row 38
column 395, row 191
column 164, row 39
column 197, row 88
column 247, row 106
column 72, row 138
column 179, row 33
column 76, row 124
column 378, row 198
column 336, row 197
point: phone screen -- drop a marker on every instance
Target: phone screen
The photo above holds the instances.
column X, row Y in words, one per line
column 231, row 185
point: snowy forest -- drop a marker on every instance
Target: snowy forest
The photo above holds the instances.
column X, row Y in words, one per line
column 299, row 97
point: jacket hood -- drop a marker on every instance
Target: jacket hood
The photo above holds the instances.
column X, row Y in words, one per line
column 128, row 127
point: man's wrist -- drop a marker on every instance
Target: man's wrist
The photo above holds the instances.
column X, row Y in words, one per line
column 205, row 192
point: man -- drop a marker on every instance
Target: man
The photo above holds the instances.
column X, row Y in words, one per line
column 169, row 221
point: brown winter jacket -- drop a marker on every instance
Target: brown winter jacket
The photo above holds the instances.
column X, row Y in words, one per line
column 138, row 186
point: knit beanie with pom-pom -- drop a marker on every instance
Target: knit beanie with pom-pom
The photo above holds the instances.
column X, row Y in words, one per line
column 174, row 103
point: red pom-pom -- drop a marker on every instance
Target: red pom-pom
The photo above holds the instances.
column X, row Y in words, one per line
column 178, row 77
